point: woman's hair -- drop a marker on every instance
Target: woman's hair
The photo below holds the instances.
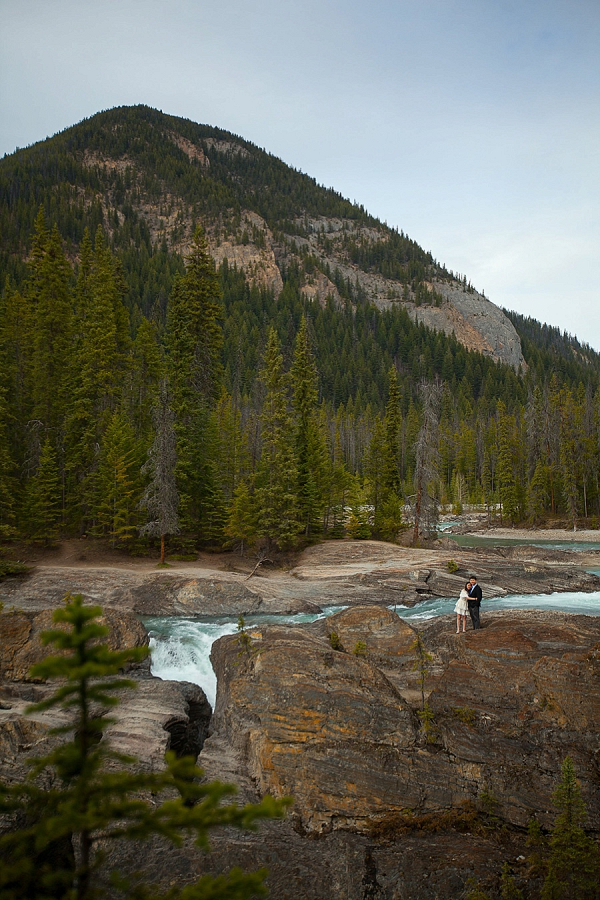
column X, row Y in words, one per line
column 467, row 585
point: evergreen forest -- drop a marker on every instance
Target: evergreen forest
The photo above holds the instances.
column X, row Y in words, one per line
column 147, row 393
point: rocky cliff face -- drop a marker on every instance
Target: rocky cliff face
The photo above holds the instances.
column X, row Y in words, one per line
column 340, row 731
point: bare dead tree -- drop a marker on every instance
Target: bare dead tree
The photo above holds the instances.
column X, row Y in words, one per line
column 160, row 497
column 426, row 461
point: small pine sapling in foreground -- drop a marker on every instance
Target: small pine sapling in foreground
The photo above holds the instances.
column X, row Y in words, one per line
column 72, row 801
column 573, row 866
column 244, row 639
column 334, row 640
column 421, row 667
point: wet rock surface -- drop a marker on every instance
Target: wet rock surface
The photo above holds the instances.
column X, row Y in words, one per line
column 156, row 716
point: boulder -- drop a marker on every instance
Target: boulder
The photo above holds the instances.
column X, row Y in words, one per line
column 324, row 726
column 21, row 646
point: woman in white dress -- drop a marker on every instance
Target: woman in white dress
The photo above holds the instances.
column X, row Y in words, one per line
column 462, row 608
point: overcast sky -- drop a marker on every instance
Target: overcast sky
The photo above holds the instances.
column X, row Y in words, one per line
column 472, row 125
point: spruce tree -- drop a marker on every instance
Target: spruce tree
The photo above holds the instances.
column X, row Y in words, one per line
column 505, row 468
column 242, row 523
column 119, row 481
column 426, row 462
column 277, row 472
column 392, row 446
column 43, row 502
column 309, row 441
column 194, row 343
column 573, row 867
column 16, row 358
column 96, row 375
column 147, row 369
column 160, row 498
column 49, row 293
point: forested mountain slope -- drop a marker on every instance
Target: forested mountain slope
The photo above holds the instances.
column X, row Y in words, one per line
column 284, row 387
column 149, row 177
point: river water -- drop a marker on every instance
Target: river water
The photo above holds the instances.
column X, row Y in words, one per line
column 180, row 646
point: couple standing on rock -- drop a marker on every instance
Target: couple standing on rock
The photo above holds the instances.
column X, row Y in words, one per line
column 469, row 601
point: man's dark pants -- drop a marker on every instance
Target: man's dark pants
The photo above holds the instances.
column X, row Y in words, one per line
column 474, row 613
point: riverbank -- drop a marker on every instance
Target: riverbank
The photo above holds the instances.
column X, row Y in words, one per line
column 535, row 535
column 328, row 574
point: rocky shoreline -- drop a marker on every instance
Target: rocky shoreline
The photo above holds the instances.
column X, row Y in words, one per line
column 329, row 574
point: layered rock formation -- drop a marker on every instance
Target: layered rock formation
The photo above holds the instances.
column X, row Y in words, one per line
column 382, row 809
column 340, row 731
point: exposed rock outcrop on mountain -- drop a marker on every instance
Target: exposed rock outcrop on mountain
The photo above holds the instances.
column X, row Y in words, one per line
column 153, row 176
column 476, row 322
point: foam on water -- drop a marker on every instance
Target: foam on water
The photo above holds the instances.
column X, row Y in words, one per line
column 180, row 650
column 180, row 647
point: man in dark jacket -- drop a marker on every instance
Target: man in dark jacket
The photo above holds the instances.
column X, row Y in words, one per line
column 474, row 601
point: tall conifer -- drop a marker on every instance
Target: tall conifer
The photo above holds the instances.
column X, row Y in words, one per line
column 277, row 474
column 51, row 300
column 194, row 342
column 309, row 441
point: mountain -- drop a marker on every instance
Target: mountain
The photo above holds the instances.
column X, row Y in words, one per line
column 327, row 363
column 149, row 178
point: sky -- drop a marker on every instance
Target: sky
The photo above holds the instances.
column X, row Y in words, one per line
column 471, row 125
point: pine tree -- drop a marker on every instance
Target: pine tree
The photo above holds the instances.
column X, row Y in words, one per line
column 505, row 470
column 392, row 448
column 426, row 462
column 43, row 498
column 194, row 342
column 118, row 481
column 277, row 473
column 49, row 293
column 147, row 369
column 16, row 356
column 573, row 871
column 242, row 524
column 569, row 454
column 7, row 475
column 537, row 493
column 74, row 806
column 309, row 442
column 375, row 472
column 96, row 374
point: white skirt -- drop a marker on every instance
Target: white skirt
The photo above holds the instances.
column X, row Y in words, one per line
column 462, row 607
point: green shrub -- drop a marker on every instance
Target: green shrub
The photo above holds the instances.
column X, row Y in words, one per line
column 465, row 714
column 360, row 649
column 452, row 566
column 10, row 569
column 335, row 642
